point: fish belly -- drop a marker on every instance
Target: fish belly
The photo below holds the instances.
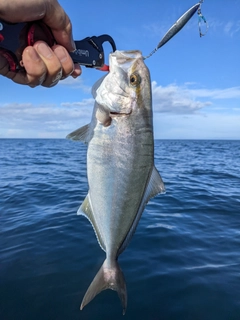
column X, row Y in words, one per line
column 119, row 162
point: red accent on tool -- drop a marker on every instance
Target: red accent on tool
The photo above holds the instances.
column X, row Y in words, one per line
column 39, row 31
column 104, row 68
column 30, row 36
column 10, row 59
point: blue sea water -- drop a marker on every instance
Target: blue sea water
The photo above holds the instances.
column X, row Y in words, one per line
column 183, row 262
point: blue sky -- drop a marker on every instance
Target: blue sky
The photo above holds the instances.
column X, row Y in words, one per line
column 195, row 81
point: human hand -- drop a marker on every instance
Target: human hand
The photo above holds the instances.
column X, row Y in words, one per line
column 43, row 65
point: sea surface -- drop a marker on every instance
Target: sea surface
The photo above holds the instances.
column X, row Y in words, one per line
column 183, row 262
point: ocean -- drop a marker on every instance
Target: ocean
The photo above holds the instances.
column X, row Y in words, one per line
column 183, row 262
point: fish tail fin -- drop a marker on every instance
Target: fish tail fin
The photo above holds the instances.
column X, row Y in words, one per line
column 108, row 277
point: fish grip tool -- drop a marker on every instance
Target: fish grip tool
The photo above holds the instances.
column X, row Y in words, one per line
column 90, row 51
column 15, row 37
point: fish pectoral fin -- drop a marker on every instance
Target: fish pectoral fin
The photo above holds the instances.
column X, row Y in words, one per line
column 103, row 116
column 108, row 277
column 87, row 211
column 155, row 185
column 82, row 134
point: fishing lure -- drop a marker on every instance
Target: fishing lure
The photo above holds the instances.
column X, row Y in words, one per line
column 180, row 23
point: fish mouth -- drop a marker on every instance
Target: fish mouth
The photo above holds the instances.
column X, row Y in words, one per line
column 124, row 57
column 119, row 114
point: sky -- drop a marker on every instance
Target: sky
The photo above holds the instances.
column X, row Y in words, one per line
column 195, row 80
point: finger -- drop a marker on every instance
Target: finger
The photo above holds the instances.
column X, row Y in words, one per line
column 77, row 71
column 35, row 70
column 60, row 24
column 52, row 63
column 65, row 60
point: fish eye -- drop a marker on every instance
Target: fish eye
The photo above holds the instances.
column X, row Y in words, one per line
column 135, row 80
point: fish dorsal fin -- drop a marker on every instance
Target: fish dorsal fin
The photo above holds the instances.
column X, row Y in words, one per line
column 82, row 134
column 154, row 186
column 86, row 210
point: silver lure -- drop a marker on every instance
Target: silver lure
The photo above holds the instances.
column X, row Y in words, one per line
column 176, row 27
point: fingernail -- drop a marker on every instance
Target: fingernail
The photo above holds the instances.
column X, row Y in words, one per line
column 77, row 71
column 32, row 53
column 73, row 45
column 44, row 50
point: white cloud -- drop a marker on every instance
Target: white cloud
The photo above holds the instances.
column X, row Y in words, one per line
column 197, row 126
column 182, row 112
column 227, row 93
column 215, row 25
column 175, row 99
column 84, row 103
column 77, row 83
column 155, row 29
column 187, row 100
column 24, row 120
column 228, row 27
column 179, row 112
column 231, row 28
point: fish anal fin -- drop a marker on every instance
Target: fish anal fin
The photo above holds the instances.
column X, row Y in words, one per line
column 108, row 277
column 155, row 185
column 82, row 134
column 87, row 211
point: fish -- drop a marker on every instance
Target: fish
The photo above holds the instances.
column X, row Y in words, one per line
column 121, row 173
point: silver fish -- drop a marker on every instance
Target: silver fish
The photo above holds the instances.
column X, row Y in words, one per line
column 120, row 164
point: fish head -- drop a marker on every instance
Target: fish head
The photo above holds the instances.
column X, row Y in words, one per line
column 127, row 87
